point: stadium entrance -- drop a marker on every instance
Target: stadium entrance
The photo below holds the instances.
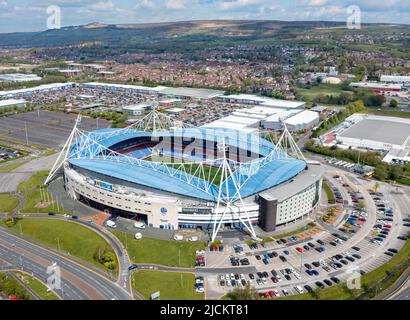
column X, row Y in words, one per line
column 114, row 211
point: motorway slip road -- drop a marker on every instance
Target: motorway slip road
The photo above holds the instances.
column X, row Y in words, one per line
column 77, row 282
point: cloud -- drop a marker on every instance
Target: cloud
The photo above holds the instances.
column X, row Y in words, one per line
column 315, row 3
column 175, row 4
column 102, row 6
column 147, row 4
column 235, row 4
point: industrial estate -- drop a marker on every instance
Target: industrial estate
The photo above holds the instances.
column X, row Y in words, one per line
column 131, row 176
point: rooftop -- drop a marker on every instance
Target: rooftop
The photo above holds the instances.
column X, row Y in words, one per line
column 295, row 185
column 11, row 102
column 192, row 92
column 305, row 116
column 388, row 130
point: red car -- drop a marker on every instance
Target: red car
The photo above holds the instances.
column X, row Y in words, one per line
column 299, row 249
column 272, row 294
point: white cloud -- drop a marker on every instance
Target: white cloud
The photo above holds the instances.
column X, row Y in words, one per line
column 315, row 3
column 175, row 4
column 102, row 6
column 235, row 4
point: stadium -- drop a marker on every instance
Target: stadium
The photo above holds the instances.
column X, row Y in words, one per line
column 171, row 176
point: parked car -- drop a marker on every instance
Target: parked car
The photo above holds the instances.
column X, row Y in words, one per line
column 335, row 280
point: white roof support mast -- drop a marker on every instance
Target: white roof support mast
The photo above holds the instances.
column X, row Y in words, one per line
column 65, row 152
column 227, row 201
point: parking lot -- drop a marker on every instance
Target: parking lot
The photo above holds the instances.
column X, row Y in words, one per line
column 364, row 239
column 44, row 128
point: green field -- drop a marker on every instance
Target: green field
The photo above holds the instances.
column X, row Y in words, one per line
column 38, row 199
column 7, row 203
column 321, row 89
column 37, row 286
column 209, row 173
column 172, row 285
column 162, row 252
column 70, row 237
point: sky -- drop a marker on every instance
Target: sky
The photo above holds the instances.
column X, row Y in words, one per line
column 31, row 15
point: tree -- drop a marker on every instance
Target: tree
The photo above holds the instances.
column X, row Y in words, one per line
column 393, row 103
column 376, row 186
column 361, row 205
column 380, row 172
column 245, row 293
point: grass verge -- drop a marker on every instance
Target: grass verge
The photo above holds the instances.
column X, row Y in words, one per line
column 172, row 285
column 10, row 287
column 329, row 193
column 7, row 203
column 38, row 199
column 37, row 286
column 295, row 232
column 161, row 252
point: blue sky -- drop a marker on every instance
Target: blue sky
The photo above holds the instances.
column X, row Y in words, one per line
column 31, row 15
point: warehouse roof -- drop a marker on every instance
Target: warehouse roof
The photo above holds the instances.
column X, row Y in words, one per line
column 11, row 102
column 381, row 130
column 192, row 92
column 44, row 87
column 305, row 116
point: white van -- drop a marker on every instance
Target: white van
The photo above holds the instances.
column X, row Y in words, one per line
column 139, row 225
column 299, row 289
column 111, row 224
column 178, row 238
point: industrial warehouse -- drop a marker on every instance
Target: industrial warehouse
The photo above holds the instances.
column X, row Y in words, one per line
column 388, row 135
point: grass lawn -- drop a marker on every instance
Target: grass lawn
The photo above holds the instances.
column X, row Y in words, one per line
column 37, row 286
column 71, row 237
column 7, row 202
column 209, row 172
column 161, row 252
column 168, row 283
column 340, row 292
column 321, row 89
column 35, row 193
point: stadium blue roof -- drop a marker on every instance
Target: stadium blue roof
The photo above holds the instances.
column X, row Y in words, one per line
column 157, row 176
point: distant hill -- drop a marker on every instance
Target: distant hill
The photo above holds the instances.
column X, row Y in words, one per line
column 127, row 35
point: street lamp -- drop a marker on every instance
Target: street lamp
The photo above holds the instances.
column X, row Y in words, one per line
column 58, row 243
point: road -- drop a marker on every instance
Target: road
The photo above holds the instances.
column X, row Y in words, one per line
column 77, row 281
column 403, row 294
